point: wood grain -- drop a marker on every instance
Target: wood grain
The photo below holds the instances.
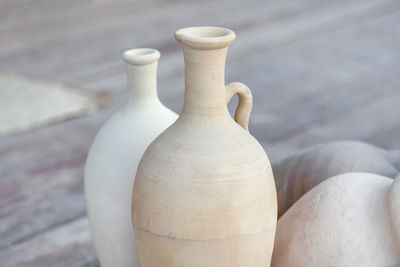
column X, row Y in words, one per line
column 318, row 70
column 66, row 245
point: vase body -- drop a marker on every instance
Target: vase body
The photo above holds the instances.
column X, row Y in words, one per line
column 204, row 193
column 113, row 158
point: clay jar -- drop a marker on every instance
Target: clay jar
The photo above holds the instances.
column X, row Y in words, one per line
column 204, row 193
column 114, row 156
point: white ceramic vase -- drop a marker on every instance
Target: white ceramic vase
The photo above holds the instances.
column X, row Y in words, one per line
column 112, row 161
column 204, row 192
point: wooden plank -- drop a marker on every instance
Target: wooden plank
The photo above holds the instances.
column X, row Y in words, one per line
column 82, row 51
column 255, row 38
column 28, row 152
column 46, row 18
column 33, row 201
column 325, row 20
column 41, row 174
column 314, row 81
column 377, row 123
column 90, row 31
column 112, row 77
column 67, row 245
column 321, row 79
column 274, row 37
column 42, row 25
column 58, row 197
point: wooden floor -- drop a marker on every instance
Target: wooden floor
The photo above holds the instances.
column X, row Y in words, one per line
column 319, row 70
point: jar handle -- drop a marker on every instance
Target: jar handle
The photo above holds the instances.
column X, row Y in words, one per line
column 242, row 113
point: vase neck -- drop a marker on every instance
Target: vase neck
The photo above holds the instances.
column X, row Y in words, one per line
column 205, row 93
column 141, row 67
column 204, row 51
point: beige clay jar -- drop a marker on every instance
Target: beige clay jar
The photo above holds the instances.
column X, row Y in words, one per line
column 204, row 193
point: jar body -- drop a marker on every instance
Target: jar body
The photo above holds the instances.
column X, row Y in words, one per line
column 109, row 177
column 204, row 195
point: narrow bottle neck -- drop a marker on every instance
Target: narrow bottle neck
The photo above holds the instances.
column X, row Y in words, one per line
column 142, row 83
column 205, row 94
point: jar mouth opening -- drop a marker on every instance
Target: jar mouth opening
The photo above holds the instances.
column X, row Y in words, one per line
column 205, row 37
column 141, row 56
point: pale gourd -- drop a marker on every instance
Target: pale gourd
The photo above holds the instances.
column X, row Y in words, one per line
column 352, row 219
column 297, row 174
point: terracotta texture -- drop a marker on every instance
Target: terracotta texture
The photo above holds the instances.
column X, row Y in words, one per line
column 114, row 156
column 204, row 192
column 297, row 174
column 348, row 220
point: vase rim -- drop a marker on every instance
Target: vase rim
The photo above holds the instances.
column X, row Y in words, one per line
column 141, row 56
column 205, row 37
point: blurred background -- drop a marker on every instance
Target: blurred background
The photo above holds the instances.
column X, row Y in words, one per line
column 319, row 71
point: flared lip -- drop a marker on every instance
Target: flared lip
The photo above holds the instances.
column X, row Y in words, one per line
column 205, row 37
column 141, row 56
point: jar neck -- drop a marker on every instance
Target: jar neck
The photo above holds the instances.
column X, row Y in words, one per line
column 205, row 93
column 142, row 83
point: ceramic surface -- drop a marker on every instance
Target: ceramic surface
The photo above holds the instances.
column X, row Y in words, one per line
column 114, row 156
column 204, row 193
